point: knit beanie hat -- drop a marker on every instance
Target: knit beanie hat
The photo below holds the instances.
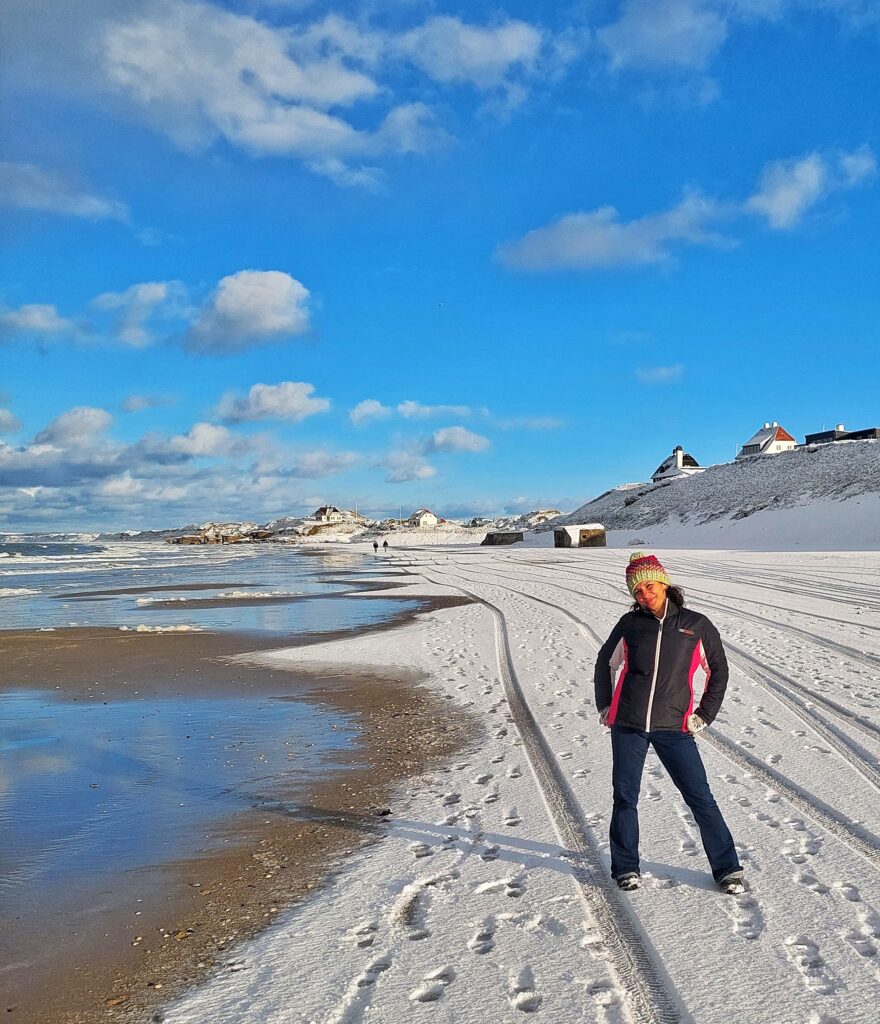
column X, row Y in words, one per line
column 643, row 567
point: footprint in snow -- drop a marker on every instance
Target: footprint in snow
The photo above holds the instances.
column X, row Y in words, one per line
column 490, row 852
column 450, row 798
column 804, row 954
column 513, row 772
column 483, row 939
column 522, row 992
column 811, row 882
column 433, row 985
column 512, row 818
column 848, row 891
column 419, row 850
column 372, row 971
column 364, row 934
column 491, row 798
column 481, row 780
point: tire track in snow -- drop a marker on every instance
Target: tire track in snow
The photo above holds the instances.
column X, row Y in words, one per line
column 628, row 948
column 861, row 840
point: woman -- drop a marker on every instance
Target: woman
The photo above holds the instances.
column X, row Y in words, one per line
column 658, row 647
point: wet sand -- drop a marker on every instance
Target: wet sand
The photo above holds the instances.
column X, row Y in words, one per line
column 173, row 924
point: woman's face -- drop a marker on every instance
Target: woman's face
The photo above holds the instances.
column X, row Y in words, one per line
column 651, row 595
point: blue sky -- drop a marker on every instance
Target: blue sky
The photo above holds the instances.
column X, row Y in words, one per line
column 266, row 254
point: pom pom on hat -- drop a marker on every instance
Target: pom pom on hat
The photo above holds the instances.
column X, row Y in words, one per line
column 642, row 568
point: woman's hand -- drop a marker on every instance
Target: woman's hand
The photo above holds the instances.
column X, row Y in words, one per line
column 603, row 717
column 695, row 724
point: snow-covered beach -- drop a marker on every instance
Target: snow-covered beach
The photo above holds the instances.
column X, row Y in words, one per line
column 490, row 896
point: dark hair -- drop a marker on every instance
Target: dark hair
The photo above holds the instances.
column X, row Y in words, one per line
column 673, row 593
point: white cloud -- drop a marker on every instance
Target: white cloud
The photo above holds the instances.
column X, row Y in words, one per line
column 248, row 308
column 454, row 439
column 34, row 318
column 9, row 422
column 290, row 400
column 208, row 440
column 123, row 486
column 368, row 411
column 589, row 241
column 136, row 305
column 415, row 410
column 31, row 188
column 403, row 467
column 676, row 33
column 787, row 189
column 660, row 374
column 78, row 427
column 599, row 239
column 451, row 51
column 200, row 74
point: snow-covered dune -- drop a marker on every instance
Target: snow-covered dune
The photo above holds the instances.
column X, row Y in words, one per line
column 821, row 498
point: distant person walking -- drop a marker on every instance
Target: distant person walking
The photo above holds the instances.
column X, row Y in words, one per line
column 375, row 547
column 657, row 648
column 385, row 546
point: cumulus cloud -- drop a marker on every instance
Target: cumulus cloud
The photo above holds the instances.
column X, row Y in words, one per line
column 454, row 439
column 675, row 33
column 78, row 427
column 368, row 411
column 249, row 308
column 290, row 400
column 451, row 51
column 31, row 188
column 415, row 410
column 34, row 319
column 660, row 374
column 135, row 306
column 787, row 189
column 9, row 422
column 403, row 467
column 208, row 440
column 200, row 73
column 600, row 239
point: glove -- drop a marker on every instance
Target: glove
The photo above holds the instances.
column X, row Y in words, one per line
column 603, row 716
column 695, row 724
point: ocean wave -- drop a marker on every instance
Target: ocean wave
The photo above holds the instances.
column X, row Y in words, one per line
column 17, row 591
column 143, row 628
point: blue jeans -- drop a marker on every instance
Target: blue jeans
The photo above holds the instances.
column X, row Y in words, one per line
column 679, row 756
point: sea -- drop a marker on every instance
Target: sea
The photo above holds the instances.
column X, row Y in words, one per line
column 94, row 790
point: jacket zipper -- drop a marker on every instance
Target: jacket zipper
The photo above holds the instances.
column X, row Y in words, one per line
column 656, row 669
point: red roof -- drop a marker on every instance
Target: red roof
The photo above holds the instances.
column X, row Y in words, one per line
column 783, row 435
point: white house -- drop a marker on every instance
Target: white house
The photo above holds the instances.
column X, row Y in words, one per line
column 769, row 440
column 328, row 514
column 679, row 463
column 422, row 517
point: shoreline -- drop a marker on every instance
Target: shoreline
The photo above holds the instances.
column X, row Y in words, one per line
column 253, row 864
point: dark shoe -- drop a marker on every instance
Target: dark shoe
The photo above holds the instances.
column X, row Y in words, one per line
column 732, row 884
column 629, row 881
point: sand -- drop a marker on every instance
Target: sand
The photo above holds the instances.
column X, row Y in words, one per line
column 193, row 912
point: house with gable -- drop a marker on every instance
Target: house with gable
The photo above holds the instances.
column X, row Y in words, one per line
column 769, row 440
column 328, row 514
column 422, row 517
column 678, row 464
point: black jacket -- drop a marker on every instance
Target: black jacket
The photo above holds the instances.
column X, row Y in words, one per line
column 655, row 688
